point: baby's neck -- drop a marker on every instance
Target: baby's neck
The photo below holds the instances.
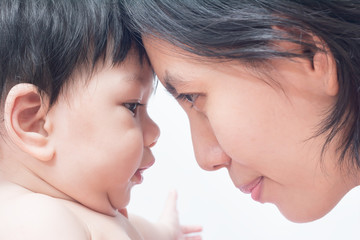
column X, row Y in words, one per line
column 14, row 171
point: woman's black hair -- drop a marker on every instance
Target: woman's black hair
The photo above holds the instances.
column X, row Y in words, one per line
column 247, row 29
column 43, row 41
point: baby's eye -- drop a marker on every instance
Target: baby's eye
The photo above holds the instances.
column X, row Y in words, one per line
column 132, row 106
column 191, row 98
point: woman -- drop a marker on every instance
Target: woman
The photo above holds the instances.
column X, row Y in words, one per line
column 270, row 89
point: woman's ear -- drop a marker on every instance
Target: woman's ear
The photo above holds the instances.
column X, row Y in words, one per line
column 320, row 65
column 25, row 119
column 324, row 66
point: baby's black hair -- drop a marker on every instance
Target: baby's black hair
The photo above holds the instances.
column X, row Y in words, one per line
column 43, row 42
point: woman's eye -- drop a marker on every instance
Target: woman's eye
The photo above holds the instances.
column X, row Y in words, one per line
column 191, row 98
column 132, row 106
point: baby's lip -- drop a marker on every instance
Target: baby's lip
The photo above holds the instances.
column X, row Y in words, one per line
column 147, row 161
column 147, row 165
column 153, row 144
column 138, row 178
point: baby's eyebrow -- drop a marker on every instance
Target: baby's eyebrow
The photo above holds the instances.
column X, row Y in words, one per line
column 132, row 77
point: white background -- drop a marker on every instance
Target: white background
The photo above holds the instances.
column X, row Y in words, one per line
column 211, row 200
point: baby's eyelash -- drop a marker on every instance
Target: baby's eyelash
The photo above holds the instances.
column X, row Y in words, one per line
column 133, row 106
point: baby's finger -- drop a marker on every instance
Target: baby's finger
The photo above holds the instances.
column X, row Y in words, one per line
column 198, row 237
column 170, row 204
column 191, row 229
column 124, row 212
column 170, row 213
column 172, row 199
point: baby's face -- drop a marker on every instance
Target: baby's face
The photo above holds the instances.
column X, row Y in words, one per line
column 103, row 135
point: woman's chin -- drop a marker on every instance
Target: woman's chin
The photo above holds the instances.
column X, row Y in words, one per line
column 301, row 215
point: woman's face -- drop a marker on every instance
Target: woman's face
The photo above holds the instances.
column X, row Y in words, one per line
column 259, row 126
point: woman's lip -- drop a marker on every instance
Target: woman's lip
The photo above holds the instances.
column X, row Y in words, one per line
column 253, row 187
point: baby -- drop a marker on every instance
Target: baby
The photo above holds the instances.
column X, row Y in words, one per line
column 76, row 135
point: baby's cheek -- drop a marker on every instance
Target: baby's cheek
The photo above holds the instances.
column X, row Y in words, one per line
column 131, row 150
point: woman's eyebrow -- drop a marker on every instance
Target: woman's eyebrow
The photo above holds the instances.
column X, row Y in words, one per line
column 171, row 83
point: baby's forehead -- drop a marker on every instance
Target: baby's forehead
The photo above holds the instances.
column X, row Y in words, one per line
column 135, row 69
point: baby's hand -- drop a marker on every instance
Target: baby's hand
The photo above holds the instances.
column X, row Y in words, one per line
column 170, row 221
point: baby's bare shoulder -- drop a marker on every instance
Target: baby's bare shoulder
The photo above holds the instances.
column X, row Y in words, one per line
column 102, row 226
column 28, row 215
column 36, row 216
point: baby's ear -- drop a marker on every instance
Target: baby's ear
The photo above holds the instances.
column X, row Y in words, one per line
column 25, row 119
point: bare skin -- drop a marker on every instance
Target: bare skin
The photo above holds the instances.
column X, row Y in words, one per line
column 67, row 171
column 261, row 124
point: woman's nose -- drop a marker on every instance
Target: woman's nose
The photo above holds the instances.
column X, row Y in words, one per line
column 208, row 152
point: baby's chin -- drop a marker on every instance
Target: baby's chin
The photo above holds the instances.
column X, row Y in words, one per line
column 120, row 203
column 110, row 206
